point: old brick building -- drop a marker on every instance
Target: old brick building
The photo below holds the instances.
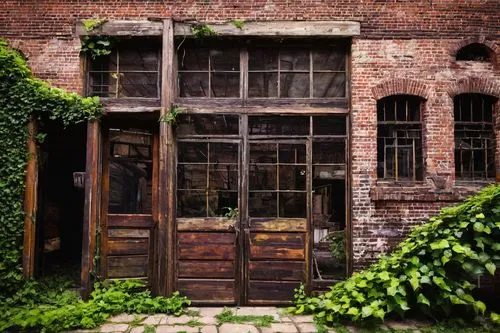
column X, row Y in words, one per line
column 303, row 123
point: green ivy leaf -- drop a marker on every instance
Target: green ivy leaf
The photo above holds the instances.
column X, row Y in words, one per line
column 491, row 267
column 422, row 299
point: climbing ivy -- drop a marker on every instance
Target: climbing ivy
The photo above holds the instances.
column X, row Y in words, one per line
column 432, row 272
column 23, row 96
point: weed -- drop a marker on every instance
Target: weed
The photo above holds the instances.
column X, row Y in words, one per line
column 227, row 316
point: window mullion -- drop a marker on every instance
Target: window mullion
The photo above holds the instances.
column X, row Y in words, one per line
column 311, row 75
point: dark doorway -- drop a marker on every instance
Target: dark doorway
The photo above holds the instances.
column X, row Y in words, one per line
column 60, row 202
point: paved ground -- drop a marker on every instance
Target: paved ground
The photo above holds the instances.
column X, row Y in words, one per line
column 203, row 320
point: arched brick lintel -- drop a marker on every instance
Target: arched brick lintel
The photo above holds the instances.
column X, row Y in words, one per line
column 495, row 49
column 400, row 86
column 478, row 85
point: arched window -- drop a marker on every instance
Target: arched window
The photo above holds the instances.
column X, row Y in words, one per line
column 399, row 138
column 474, row 137
column 474, row 52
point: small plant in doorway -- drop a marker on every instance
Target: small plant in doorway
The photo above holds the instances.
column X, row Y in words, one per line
column 227, row 316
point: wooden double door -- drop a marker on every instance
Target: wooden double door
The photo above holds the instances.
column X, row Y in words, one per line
column 242, row 229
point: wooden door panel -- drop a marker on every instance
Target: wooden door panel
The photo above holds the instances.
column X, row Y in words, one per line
column 208, row 269
column 208, row 290
column 128, row 266
column 277, row 246
column 271, row 292
column 277, row 270
column 125, row 246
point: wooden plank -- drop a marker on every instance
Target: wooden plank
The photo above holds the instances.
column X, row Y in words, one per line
column 271, row 292
column 277, row 270
column 128, row 267
column 91, row 206
column 130, row 220
column 279, row 224
column 315, row 105
column 123, row 28
column 120, row 246
column 30, row 202
column 208, row 109
column 206, row 224
column 277, row 246
column 198, row 290
column 131, row 104
column 205, row 269
column 205, row 238
column 129, row 233
column 280, row 29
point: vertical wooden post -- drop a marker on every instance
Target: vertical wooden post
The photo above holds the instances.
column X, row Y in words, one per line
column 30, row 203
column 91, row 209
column 166, row 195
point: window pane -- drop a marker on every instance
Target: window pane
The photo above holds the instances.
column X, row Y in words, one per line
column 329, row 125
column 263, row 153
column 329, row 85
column 292, row 177
column 102, row 84
column 193, row 84
column 138, row 85
column 262, row 204
column 262, row 177
column 192, row 176
column 225, row 85
column 191, row 204
column 223, row 177
column 278, row 125
column 294, row 59
column 219, row 203
column 292, row 153
column 294, row 85
column 140, row 59
column 292, row 205
column 329, row 60
column 262, row 85
column 187, row 124
column 263, row 59
column 328, row 152
column 223, row 153
column 196, row 152
column 193, row 59
column 224, row 60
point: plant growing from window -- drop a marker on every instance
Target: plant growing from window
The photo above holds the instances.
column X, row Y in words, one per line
column 231, row 213
column 172, row 114
column 202, row 30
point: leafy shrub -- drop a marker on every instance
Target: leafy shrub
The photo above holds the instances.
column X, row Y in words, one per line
column 429, row 273
column 21, row 97
column 48, row 308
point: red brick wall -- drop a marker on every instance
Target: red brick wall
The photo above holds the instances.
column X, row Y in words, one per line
column 405, row 46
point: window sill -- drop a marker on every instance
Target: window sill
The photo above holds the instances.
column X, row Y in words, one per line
column 339, row 103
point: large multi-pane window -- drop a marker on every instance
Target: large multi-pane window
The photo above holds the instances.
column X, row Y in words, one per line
column 399, row 138
column 131, row 70
column 262, row 70
column 474, row 137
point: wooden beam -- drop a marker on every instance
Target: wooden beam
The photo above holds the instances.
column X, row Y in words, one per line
column 30, row 203
column 123, row 28
column 91, row 208
column 279, row 29
column 166, row 198
column 265, row 110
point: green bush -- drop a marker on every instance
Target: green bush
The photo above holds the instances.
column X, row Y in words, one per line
column 48, row 306
column 22, row 96
column 429, row 273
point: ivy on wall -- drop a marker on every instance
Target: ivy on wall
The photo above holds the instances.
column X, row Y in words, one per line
column 23, row 96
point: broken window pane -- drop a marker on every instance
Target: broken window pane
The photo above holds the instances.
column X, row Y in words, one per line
column 191, row 204
column 333, row 60
column 263, row 59
column 329, row 85
column 262, row 204
column 225, row 84
column 292, row 153
column 292, row 204
column 262, row 84
column 225, row 60
column 329, row 125
column 292, row 177
column 138, row 85
column 329, row 152
column 278, row 125
column 294, row 85
column 294, row 59
column 262, row 177
column 193, row 84
column 191, row 59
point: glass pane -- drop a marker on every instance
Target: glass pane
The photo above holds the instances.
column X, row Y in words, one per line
column 102, row 84
column 292, row 177
column 295, row 85
column 130, row 172
column 263, row 59
column 263, row 153
column 328, row 152
column 225, row 85
column 206, row 125
column 329, row 125
column 193, row 84
column 191, row 204
column 192, row 176
column 223, row 153
column 224, row 60
column 221, row 203
column 223, row 177
column 138, row 85
column 294, row 59
column 193, row 59
column 262, row 204
column 329, row 85
column 196, row 152
column 262, row 177
column 278, row 125
column 292, row 153
column 140, row 59
column 292, row 205
column 329, row 60
column 262, row 85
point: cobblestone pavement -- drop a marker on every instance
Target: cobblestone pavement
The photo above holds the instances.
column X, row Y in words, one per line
column 203, row 320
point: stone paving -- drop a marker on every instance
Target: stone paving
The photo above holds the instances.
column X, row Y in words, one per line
column 203, row 320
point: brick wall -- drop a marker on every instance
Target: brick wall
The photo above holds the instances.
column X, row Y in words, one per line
column 405, row 46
